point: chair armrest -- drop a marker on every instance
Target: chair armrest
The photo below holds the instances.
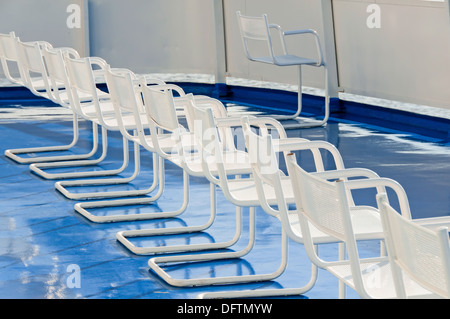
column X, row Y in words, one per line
column 296, row 144
column 255, row 121
column 316, row 37
column 380, row 184
column 172, row 87
column 347, row 172
column 150, row 81
column 71, row 51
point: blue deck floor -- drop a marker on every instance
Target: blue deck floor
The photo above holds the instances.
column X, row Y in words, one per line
column 42, row 237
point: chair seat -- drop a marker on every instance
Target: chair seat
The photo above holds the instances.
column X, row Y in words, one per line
column 365, row 220
column 128, row 120
column 90, row 112
column 168, row 144
column 82, row 96
column 378, row 281
column 244, row 191
column 235, row 163
column 285, row 60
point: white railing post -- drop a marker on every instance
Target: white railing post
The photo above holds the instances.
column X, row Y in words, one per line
column 221, row 60
column 329, row 44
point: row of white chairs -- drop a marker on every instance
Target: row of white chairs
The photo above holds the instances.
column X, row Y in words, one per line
column 196, row 134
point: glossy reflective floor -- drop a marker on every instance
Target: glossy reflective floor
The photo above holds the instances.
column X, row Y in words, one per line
column 43, row 241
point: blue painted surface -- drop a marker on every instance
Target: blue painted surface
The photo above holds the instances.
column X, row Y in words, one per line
column 41, row 236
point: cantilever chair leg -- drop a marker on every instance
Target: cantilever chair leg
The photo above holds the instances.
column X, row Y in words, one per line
column 14, row 153
column 82, row 207
column 296, row 116
column 155, row 262
column 62, row 186
column 123, row 235
column 38, row 168
column 259, row 293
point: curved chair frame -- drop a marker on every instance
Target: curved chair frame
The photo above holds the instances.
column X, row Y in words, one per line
column 258, row 29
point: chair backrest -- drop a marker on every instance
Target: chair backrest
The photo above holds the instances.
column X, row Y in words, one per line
column 9, row 53
column 211, row 148
column 160, row 107
column 261, row 154
column 126, row 99
column 57, row 73
column 31, row 56
column 265, row 168
column 82, row 83
column 80, row 74
column 8, row 46
column 324, row 203
column 256, row 29
column 32, row 63
column 423, row 254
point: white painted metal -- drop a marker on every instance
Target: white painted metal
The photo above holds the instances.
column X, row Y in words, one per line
column 258, row 29
column 161, row 108
column 242, row 193
column 131, row 114
column 91, row 104
column 266, row 172
column 325, row 205
column 23, row 54
column 416, row 254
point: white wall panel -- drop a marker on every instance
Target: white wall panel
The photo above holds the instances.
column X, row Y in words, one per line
column 154, row 36
column 406, row 59
column 46, row 20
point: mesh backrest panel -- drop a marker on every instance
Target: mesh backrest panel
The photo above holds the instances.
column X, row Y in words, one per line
column 418, row 252
column 253, row 28
column 262, row 154
column 205, row 132
column 81, row 74
column 320, row 202
column 55, row 66
column 32, row 57
column 120, row 88
column 161, row 107
column 9, row 47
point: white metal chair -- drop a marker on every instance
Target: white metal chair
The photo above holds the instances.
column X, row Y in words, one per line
column 267, row 176
column 28, row 57
column 325, row 205
column 241, row 192
column 417, row 255
column 129, row 114
column 9, row 56
column 258, row 29
column 93, row 111
column 95, row 106
column 102, row 112
column 161, row 107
